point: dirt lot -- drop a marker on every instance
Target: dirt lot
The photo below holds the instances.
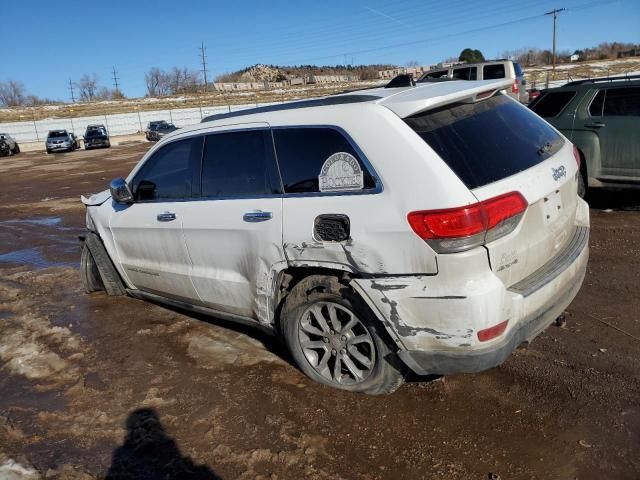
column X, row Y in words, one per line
column 95, row 386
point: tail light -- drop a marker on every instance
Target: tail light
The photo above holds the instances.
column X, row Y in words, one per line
column 576, row 154
column 492, row 332
column 458, row 229
column 515, row 88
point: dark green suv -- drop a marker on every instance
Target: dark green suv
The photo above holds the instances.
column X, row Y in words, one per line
column 601, row 116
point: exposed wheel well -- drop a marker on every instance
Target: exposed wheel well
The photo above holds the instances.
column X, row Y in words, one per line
column 290, row 277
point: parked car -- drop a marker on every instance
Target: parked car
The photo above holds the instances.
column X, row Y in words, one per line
column 61, row 141
column 96, row 136
column 13, row 145
column 5, row 148
column 151, row 128
column 301, row 219
column 601, row 117
column 162, row 130
column 489, row 70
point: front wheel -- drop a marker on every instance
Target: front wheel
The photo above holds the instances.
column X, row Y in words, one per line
column 16, row 149
column 89, row 274
column 335, row 340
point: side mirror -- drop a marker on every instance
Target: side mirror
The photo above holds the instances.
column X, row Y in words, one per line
column 120, row 191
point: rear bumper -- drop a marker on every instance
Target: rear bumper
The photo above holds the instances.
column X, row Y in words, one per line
column 479, row 359
column 435, row 320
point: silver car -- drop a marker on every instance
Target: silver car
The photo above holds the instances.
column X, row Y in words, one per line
column 60, row 141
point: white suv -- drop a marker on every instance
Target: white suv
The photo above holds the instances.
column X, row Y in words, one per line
column 434, row 227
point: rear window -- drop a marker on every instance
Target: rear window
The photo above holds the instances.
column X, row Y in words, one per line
column 491, row 72
column 466, row 73
column 438, row 74
column 486, row 141
column 550, row 104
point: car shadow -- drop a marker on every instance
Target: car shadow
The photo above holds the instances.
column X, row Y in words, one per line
column 625, row 200
column 148, row 453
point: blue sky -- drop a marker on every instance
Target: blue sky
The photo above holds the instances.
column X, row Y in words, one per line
column 44, row 51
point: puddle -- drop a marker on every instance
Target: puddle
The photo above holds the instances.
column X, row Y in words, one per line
column 34, row 258
column 46, row 221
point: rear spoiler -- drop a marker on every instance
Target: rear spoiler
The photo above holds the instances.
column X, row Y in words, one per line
column 427, row 96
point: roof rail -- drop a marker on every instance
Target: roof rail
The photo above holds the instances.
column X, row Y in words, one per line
column 604, row 79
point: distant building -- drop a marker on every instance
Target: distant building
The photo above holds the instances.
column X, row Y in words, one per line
column 394, row 72
column 634, row 52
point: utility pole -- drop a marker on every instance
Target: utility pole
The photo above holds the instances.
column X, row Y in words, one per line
column 73, row 98
column 115, row 80
column 203, row 58
column 555, row 13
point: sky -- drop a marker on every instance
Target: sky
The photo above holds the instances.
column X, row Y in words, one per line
column 46, row 44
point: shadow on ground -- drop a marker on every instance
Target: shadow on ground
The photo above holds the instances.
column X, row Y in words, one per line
column 148, row 453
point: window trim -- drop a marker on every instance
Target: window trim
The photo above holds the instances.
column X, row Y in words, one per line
column 378, row 186
column 604, row 99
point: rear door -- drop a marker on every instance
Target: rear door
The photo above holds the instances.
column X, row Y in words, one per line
column 497, row 146
column 619, row 130
column 233, row 232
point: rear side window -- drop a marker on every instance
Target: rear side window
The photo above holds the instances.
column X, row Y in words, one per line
column 302, row 154
column 239, row 164
column 550, row 104
column 169, row 173
column 486, row 141
column 595, row 109
column 622, row 102
column 438, row 74
column 468, row 73
column 491, row 72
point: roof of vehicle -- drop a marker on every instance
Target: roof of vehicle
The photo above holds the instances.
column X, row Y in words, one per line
column 403, row 101
column 604, row 80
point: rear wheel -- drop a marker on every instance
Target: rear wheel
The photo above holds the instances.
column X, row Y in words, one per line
column 335, row 340
column 89, row 274
column 582, row 188
column 16, row 149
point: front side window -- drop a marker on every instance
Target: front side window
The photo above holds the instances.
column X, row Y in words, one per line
column 168, row 174
column 492, row 72
column 304, row 153
column 622, row 102
column 239, row 164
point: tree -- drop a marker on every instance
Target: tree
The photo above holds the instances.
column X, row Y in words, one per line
column 158, row 82
column 12, row 93
column 471, row 56
column 88, row 87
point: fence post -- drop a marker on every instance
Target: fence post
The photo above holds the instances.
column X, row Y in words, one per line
column 106, row 120
column 170, row 116
column 35, row 126
column 139, row 119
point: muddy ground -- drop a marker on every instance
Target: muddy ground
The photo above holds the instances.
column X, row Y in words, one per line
column 95, row 386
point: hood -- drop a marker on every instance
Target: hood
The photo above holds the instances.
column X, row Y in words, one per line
column 96, row 198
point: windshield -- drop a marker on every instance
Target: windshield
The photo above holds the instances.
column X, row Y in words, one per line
column 487, row 141
column 57, row 133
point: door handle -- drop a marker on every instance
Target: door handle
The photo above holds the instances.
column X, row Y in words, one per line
column 595, row 125
column 166, row 217
column 257, row 216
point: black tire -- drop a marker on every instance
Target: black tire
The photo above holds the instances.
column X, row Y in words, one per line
column 16, row 149
column 48, row 152
column 384, row 374
column 89, row 274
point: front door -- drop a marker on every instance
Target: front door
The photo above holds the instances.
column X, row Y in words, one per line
column 233, row 233
column 148, row 233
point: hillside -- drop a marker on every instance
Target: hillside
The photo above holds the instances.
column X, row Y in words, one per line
column 276, row 73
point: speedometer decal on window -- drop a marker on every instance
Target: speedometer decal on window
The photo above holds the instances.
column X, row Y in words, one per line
column 341, row 172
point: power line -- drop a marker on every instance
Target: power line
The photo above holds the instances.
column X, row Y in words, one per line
column 115, row 80
column 203, row 58
column 555, row 13
column 73, row 98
